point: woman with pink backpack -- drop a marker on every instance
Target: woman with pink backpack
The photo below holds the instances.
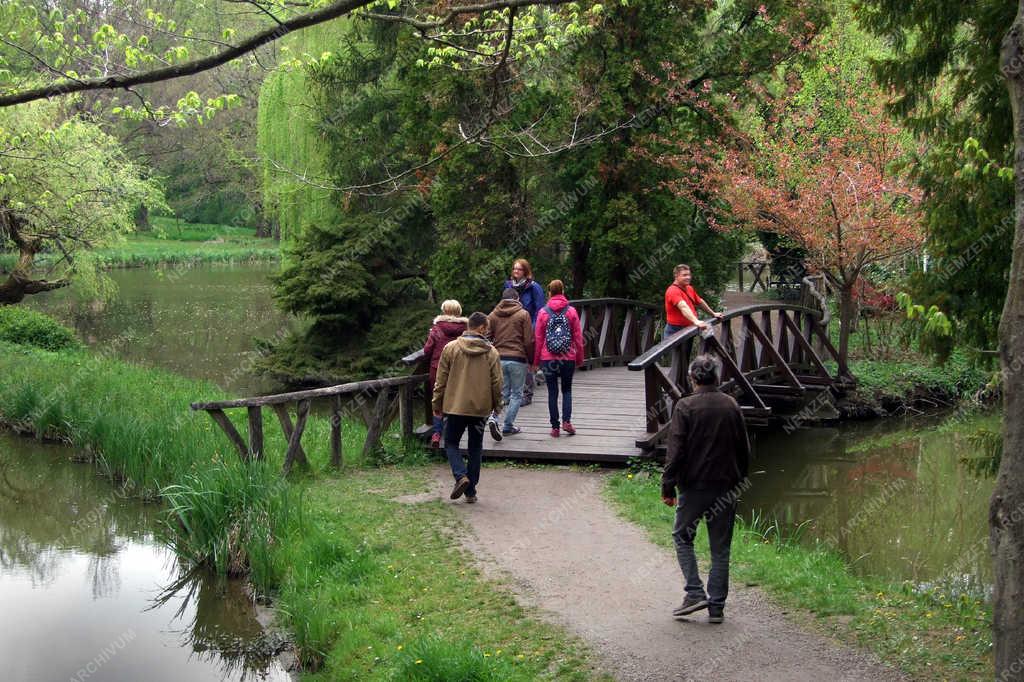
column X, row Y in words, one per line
column 558, row 350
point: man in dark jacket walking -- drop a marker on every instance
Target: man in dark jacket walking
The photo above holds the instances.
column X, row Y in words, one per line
column 512, row 336
column 466, row 391
column 707, row 462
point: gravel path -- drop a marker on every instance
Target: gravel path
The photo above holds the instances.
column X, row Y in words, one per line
column 552, row 536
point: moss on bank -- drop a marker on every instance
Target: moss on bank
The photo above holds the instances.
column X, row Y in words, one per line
column 369, row 587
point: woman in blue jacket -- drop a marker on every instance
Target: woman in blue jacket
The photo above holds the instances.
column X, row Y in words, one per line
column 531, row 296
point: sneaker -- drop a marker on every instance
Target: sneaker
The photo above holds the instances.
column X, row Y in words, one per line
column 510, row 431
column 526, row 401
column 554, row 432
column 690, row 605
column 435, row 441
column 569, row 429
column 716, row 615
column 460, row 487
column 492, row 424
column 470, row 499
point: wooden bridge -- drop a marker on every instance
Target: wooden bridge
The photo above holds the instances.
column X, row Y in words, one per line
column 773, row 356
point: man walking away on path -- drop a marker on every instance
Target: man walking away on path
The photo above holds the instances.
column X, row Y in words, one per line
column 558, row 349
column 512, row 336
column 707, row 462
column 681, row 301
column 466, row 391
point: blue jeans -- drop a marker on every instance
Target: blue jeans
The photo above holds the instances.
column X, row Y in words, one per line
column 454, row 426
column 719, row 514
column 555, row 370
column 671, row 329
column 514, row 375
column 438, row 423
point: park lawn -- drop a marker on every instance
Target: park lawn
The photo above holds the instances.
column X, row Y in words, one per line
column 173, row 243
column 928, row 635
column 369, row 588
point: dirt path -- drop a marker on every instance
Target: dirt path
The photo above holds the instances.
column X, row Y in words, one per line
column 565, row 551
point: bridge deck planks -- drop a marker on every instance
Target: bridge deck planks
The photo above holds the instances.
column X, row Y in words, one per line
column 608, row 412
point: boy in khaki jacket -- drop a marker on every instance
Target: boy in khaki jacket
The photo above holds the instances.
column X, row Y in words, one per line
column 467, row 390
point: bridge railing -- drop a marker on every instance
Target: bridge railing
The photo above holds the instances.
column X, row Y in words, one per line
column 615, row 330
column 381, row 393
column 775, row 346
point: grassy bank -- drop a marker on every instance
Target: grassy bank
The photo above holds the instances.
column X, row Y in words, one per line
column 930, row 635
column 370, row 588
column 171, row 243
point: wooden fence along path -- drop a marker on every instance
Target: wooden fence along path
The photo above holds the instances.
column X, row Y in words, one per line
column 773, row 355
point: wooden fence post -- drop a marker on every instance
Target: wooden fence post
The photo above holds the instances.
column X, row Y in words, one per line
column 336, row 446
column 256, row 432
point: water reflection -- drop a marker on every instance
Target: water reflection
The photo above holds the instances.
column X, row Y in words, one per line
column 80, row 567
column 199, row 322
column 896, row 498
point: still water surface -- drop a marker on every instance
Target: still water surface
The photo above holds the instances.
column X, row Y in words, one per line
column 83, row 585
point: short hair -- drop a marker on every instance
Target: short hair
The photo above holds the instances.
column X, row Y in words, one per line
column 525, row 265
column 451, row 307
column 477, row 320
column 679, row 268
column 556, row 287
column 706, row 370
column 510, row 294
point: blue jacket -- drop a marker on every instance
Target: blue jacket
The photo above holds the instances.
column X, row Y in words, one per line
column 531, row 298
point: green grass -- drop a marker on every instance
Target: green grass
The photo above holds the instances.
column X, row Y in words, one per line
column 929, row 635
column 370, row 588
column 170, row 243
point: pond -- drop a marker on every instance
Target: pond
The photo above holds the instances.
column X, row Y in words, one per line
column 198, row 321
column 84, row 585
column 902, row 499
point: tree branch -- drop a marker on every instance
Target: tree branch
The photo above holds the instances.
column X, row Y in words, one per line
column 333, row 11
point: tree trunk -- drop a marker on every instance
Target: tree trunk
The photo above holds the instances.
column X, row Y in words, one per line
column 19, row 282
column 847, row 315
column 142, row 219
column 1006, row 511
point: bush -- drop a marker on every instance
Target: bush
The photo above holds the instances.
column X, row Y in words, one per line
column 30, row 328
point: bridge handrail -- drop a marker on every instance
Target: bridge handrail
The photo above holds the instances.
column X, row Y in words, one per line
column 417, row 356
column 312, row 394
column 649, row 358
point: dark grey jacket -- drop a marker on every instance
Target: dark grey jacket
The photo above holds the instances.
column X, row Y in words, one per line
column 707, row 444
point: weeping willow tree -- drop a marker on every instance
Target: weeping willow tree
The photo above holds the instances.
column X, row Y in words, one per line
column 288, row 141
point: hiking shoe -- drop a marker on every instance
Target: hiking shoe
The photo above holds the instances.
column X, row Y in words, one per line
column 460, row 487
column 510, row 431
column 555, row 432
column 716, row 615
column 470, row 499
column 435, row 441
column 690, row 605
column 492, row 424
column 569, row 429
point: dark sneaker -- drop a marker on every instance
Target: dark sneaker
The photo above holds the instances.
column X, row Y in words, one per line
column 716, row 615
column 470, row 499
column 510, row 431
column 690, row 605
column 569, row 429
column 492, row 424
column 460, row 487
column 526, row 401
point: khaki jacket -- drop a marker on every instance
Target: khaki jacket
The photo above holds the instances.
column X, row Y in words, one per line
column 511, row 331
column 468, row 379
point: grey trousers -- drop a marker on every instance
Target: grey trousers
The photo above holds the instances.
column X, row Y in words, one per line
column 718, row 509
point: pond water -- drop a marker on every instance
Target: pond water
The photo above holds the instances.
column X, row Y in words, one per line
column 903, row 499
column 198, row 321
column 83, row 585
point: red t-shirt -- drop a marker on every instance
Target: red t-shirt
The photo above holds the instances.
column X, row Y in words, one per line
column 675, row 294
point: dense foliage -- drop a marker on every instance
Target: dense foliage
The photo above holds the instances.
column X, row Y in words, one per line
column 30, row 328
column 544, row 158
column 944, row 64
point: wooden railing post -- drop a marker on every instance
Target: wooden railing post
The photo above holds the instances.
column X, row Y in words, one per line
column 651, row 397
column 336, row 445
column 405, row 409
column 256, row 432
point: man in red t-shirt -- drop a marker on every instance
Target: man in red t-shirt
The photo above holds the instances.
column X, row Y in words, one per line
column 681, row 301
